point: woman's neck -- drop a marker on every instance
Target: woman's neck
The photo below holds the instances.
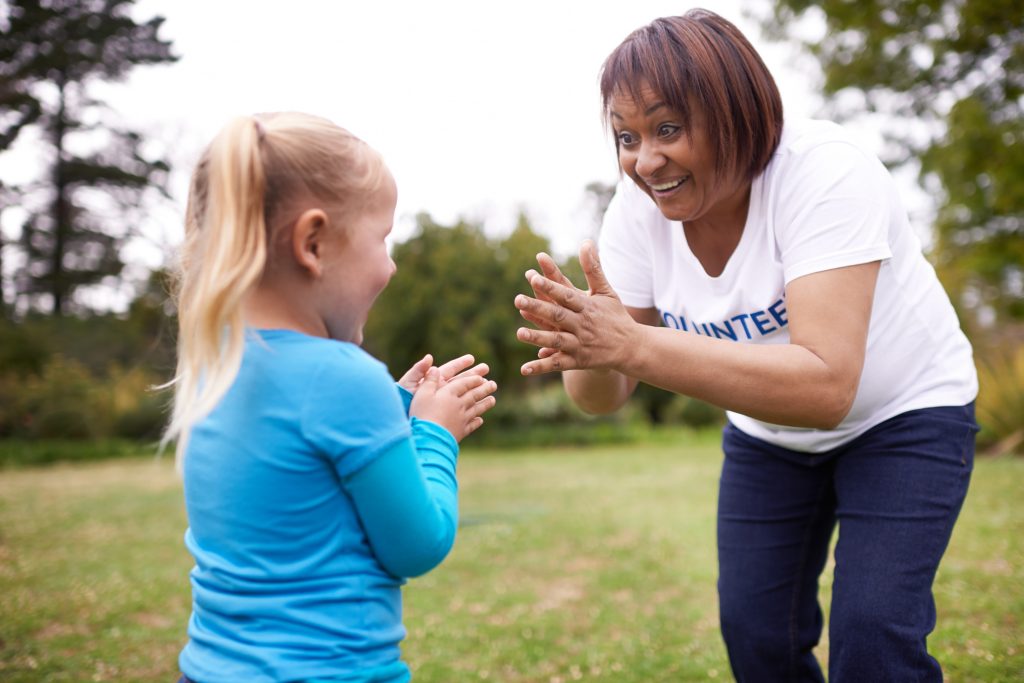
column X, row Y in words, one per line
column 714, row 236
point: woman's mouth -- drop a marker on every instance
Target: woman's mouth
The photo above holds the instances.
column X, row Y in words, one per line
column 668, row 186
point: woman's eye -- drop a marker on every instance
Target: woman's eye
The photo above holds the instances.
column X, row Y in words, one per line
column 667, row 130
column 626, row 139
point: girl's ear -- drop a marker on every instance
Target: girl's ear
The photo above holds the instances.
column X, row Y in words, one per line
column 307, row 240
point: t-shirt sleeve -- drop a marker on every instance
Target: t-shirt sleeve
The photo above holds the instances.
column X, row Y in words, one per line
column 624, row 246
column 408, row 500
column 353, row 411
column 834, row 211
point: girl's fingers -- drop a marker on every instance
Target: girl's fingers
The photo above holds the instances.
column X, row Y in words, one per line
column 455, row 366
column 483, row 391
column 482, row 406
column 414, row 375
column 462, row 384
column 479, row 369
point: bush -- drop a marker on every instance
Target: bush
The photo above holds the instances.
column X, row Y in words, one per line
column 545, row 415
column 690, row 412
column 63, row 402
column 1000, row 404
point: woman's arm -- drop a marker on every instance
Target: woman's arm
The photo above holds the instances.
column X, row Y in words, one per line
column 810, row 382
column 407, row 500
column 599, row 392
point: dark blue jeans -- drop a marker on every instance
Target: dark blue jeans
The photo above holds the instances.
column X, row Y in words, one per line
column 895, row 493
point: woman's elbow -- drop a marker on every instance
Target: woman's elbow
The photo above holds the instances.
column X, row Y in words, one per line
column 603, row 399
column 834, row 406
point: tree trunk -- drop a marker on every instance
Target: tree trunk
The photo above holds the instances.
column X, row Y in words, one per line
column 61, row 215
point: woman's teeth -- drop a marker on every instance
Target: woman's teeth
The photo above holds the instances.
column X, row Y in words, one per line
column 667, row 186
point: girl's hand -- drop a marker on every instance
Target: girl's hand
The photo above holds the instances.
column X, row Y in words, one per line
column 456, row 404
column 577, row 329
column 411, row 380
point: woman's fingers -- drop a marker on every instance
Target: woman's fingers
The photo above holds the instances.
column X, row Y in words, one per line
column 558, row 340
column 551, row 270
column 546, row 314
column 591, row 263
column 555, row 293
column 556, row 362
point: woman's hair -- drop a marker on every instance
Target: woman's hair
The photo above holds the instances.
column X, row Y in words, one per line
column 245, row 187
column 700, row 59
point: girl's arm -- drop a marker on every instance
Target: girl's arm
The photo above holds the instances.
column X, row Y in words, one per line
column 810, row 382
column 407, row 500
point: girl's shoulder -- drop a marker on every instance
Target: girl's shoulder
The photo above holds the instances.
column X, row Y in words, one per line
column 303, row 355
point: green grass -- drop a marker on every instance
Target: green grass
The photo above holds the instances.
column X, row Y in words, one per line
column 571, row 564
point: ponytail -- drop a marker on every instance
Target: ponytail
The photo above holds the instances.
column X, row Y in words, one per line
column 224, row 255
column 248, row 179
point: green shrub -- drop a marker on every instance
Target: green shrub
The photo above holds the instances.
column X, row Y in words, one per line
column 63, row 402
column 1000, row 404
column 690, row 412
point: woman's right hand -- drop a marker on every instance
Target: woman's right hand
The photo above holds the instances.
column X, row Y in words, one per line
column 577, row 329
column 457, row 403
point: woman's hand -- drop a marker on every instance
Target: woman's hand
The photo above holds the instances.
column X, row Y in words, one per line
column 456, row 404
column 576, row 329
column 412, row 378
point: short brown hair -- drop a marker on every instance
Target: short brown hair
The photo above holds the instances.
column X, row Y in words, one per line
column 701, row 59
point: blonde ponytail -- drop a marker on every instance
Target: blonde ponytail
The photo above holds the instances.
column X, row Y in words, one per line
column 224, row 255
column 246, row 181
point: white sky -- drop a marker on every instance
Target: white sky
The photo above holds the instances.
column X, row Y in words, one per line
column 480, row 109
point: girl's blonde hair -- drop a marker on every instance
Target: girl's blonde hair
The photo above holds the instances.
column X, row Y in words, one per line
column 244, row 188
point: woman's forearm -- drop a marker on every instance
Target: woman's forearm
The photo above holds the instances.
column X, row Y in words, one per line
column 784, row 384
column 598, row 392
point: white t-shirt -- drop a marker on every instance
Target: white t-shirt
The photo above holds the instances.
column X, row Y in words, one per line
column 821, row 203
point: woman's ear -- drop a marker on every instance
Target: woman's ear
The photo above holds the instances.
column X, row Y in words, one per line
column 307, row 240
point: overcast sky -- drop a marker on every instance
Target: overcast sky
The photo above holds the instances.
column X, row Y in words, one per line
column 480, row 109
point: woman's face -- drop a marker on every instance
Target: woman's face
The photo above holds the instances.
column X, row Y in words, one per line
column 677, row 170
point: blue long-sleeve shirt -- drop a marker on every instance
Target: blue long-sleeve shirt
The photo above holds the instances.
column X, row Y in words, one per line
column 311, row 496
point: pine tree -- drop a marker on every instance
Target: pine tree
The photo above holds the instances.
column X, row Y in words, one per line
column 94, row 171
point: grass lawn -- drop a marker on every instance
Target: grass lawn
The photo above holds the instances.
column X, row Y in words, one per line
column 591, row 564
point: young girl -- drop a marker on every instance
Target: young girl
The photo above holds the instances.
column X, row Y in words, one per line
column 312, row 484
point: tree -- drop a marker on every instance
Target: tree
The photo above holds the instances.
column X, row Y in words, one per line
column 453, row 293
column 954, row 71
column 94, row 172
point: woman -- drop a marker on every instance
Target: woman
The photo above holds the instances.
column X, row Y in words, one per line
column 770, row 269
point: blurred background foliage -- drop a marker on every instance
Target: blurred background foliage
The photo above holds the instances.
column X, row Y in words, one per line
column 943, row 78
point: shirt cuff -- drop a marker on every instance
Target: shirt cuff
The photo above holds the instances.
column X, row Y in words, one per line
column 406, row 397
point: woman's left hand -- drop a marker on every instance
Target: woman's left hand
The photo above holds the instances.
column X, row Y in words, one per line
column 413, row 377
column 577, row 329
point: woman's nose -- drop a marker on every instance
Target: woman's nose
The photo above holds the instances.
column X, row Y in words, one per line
column 649, row 159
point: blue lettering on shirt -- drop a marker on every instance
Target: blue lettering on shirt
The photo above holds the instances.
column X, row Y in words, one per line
column 736, row 327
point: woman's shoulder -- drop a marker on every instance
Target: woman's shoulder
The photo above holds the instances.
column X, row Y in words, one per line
column 801, row 137
column 817, row 153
